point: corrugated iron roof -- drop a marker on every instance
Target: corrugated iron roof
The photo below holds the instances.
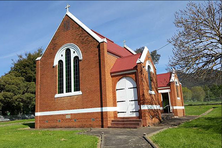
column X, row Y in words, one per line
column 125, row 63
column 163, row 80
column 114, row 48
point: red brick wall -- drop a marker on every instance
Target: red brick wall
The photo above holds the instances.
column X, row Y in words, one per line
column 89, row 77
column 150, row 116
column 93, row 84
column 174, row 100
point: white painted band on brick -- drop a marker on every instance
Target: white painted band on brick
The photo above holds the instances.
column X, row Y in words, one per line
column 76, row 111
column 151, row 92
column 160, row 88
column 164, row 91
column 178, row 107
column 174, row 107
column 150, row 107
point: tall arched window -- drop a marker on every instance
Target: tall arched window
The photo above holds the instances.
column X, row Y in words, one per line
column 68, row 71
column 67, row 58
column 177, row 89
column 76, row 74
column 60, row 77
column 149, row 78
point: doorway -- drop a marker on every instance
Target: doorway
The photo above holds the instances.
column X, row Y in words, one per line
column 166, row 103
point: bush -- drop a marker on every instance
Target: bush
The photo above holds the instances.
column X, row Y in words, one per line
column 198, row 93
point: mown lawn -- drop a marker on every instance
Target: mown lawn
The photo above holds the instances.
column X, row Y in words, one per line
column 202, row 103
column 16, row 121
column 202, row 132
column 198, row 110
column 20, row 136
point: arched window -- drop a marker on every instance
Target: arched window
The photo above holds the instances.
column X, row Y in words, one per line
column 68, row 71
column 67, row 58
column 177, row 89
column 76, row 74
column 60, row 77
column 149, row 78
column 150, row 69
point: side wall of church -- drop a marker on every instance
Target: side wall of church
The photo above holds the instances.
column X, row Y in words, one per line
column 177, row 100
column 151, row 115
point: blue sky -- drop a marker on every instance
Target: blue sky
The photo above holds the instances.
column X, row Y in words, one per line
column 28, row 25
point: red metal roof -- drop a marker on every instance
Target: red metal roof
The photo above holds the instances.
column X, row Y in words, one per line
column 163, row 80
column 114, row 48
column 125, row 63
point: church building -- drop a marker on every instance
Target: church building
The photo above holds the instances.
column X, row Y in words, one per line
column 170, row 94
column 84, row 79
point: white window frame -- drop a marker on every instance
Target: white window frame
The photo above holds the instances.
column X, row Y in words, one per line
column 60, row 55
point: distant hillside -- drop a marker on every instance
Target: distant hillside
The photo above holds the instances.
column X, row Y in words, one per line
column 189, row 80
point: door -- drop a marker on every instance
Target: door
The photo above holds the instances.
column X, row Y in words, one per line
column 166, row 105
column 127, row 100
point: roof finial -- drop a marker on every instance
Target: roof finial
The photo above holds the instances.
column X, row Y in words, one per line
column 124, row 43
column 67, row 8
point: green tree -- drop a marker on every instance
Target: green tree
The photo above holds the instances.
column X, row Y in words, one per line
column 209, row 94
column 17, row 88
column 187, row 94
column 17, row 95
column 216, row 91
column 198, row 93
column 155, row 56
column 25, row 66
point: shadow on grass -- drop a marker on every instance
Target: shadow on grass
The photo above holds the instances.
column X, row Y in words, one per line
column 31, row 125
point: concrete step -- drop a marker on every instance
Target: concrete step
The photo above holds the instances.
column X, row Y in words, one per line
column 126, row 123
column 167, row 116
column 123, row 126
column 127, row 120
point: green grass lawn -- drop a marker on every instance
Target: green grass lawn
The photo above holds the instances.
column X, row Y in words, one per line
column 202, row 103
column 202, row 132
column 198, row 110
column 16, row 121
column 20, row 136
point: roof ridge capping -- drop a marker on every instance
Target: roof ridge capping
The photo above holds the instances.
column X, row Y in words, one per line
column 94, row 35
column 132, row 51
column 143, row 55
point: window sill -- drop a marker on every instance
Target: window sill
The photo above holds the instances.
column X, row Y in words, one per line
column 68, row 94
column 151, row 92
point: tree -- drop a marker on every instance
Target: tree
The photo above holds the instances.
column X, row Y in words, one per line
column 216, row 91
column 198, row 93
column 17, row 88
column 198, row 43
column 209, row 94
column 155, row 56
column 25, row 66
column 16, row 95
column 187, row 94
